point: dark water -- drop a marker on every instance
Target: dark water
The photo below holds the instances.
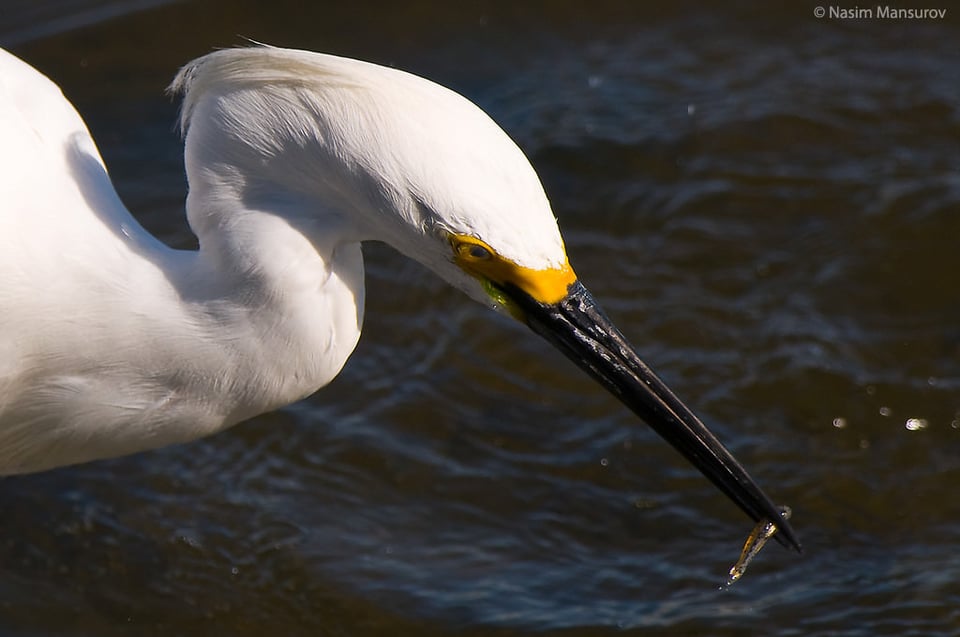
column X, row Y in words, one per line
column 766, row 203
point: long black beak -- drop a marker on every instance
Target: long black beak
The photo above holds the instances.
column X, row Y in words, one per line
column 579, row 328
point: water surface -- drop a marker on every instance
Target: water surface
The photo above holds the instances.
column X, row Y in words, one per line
column 766, row 204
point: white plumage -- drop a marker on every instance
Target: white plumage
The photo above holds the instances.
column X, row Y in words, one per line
column 112, row 343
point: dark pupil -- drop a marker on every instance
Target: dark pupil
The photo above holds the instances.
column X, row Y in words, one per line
column 479, row 252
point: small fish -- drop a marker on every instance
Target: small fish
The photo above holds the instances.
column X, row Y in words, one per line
column 763, row 531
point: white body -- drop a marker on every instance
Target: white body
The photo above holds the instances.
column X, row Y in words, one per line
column 111, row 342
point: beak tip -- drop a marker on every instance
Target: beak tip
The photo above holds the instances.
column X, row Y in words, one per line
column 791, row 538
column 786, row 536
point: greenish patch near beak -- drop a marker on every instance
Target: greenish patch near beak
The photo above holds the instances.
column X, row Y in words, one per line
column 502, row 299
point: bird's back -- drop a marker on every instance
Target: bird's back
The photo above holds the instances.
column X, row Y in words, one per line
column 70, row 256
column 61, row 222
column 54, row 190
column 35, row 115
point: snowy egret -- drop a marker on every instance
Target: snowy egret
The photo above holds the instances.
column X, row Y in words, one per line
column 113, row 343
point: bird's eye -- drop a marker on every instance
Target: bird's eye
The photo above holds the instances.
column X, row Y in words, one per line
column 474, row 251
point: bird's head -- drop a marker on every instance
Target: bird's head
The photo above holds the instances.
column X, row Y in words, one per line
column 413, row 164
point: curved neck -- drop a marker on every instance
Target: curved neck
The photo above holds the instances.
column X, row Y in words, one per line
column 283, row 294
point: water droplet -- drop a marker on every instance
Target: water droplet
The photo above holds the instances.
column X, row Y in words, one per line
column 594, row 81
column 885, row 411
column 604, row 462
column 187, row 538
column 871, row 390
column 839, row 423
column 235, row 570
column 916, row 424
column 691, row 109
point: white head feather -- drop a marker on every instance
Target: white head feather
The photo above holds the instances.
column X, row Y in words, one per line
column 391, row 155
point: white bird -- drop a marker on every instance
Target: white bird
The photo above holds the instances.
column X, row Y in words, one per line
column 113, row 343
